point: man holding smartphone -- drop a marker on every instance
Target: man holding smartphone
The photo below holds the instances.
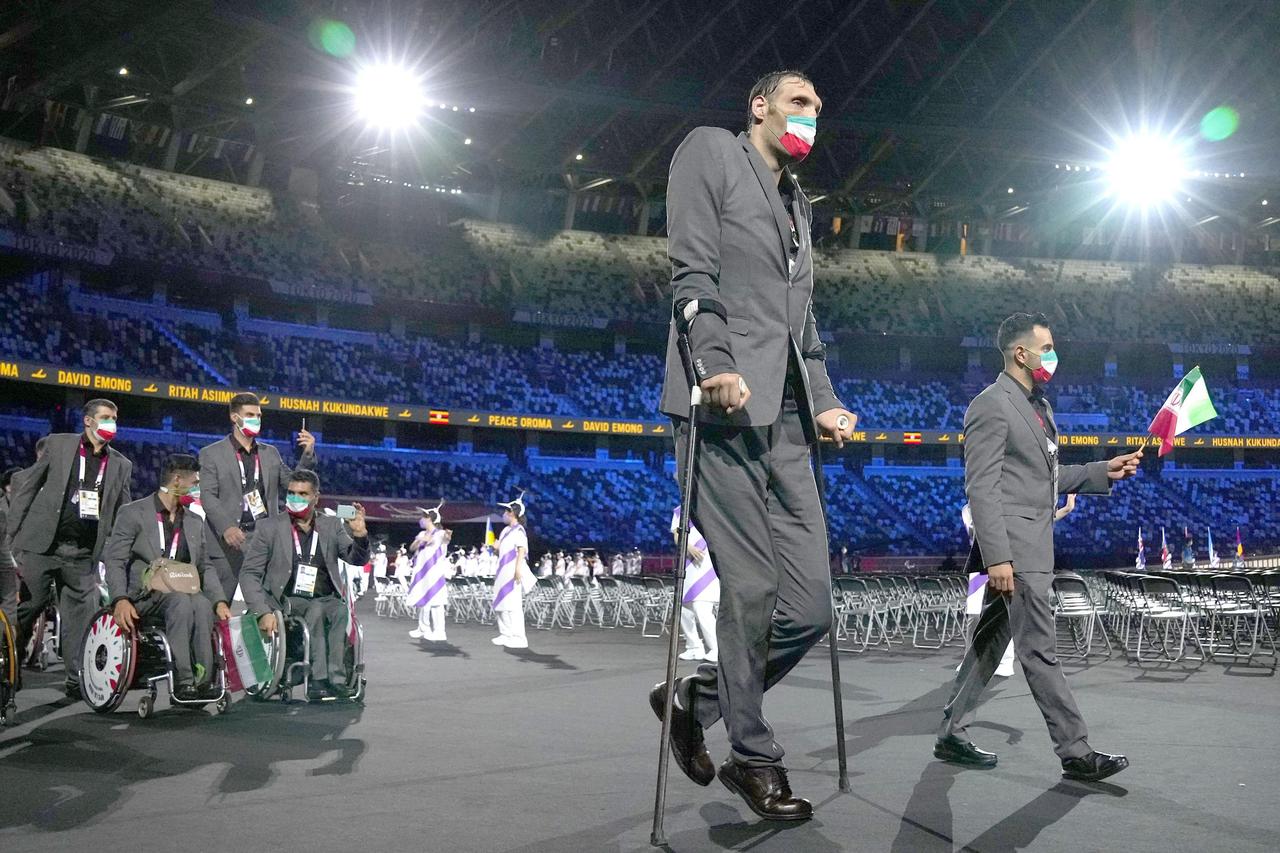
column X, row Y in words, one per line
column 243, row 481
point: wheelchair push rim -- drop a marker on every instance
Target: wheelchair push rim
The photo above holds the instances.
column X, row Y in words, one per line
column 108, row 663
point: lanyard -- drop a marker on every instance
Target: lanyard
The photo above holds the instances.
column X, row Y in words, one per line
column 297, row 545
column 177, row 532
column 102, row 471
column 257, row 468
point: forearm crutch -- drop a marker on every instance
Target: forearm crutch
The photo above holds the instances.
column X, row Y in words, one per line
column 836, row 691
column 657, row 837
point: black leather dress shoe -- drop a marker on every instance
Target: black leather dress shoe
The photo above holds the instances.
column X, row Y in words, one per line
column 72, row 689
column 953, row 750
column 687, row 745
column 186, row 693
column 1093, row 767
column 319, row 691
column 765, row 790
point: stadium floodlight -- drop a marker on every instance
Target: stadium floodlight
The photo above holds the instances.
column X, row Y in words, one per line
column 389, row 96
column 1144, row 171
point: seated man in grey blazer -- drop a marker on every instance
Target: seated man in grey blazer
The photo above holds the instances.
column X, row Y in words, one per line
column 163, row 525
column 243, row 480
column 1012, row 480
column 60, row 515
column 292, row 566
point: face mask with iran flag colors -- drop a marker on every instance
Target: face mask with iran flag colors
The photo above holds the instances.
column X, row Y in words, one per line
column 799, row 136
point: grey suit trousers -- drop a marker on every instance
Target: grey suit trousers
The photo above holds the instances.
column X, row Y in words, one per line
column 757, row 505
column 326, row 619
column 70, row 569
column 188, row 625
column 1025, row 616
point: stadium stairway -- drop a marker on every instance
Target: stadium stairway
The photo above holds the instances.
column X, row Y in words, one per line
column 176, row 339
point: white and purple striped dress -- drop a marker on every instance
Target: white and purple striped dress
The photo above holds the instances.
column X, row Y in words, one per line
column 431, row 570
column 507, row 594
column 700, row 580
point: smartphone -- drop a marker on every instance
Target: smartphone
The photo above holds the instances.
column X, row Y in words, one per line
column 346, row 511
column 304, row 422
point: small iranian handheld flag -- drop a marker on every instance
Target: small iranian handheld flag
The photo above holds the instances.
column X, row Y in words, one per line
column 1189, row 405
column 247, row 664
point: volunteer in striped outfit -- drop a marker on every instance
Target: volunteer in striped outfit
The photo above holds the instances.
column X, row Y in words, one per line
column 429, row 587
column 701, row 595
column 513, row 579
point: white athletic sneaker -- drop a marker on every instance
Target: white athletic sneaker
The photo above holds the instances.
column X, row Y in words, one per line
column 416, row 634
column 1005, row 670
column 499, row 641
column 712, row 656
column 517, row 644
column 692, row 654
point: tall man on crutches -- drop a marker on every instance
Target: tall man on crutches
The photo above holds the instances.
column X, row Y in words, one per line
column 742, row 277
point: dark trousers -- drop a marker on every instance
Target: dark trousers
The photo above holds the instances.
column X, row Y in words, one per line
column 71, row 568
column 757, row 506
column 188, row 624
column 1025, row 616
column 326, row 619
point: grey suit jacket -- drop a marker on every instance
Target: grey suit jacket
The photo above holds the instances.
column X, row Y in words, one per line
column 221, row 494
column 36, row 504
column 268, row 562
column 1009, row 480
column 729, row 240
column 135, row 542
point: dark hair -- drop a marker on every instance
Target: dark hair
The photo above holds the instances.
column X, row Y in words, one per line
column 767, row 85
column 302, row 475
column 1016, row 326
column 239, row 401
column 7, row 477
column 178, row 463
column 91, row 408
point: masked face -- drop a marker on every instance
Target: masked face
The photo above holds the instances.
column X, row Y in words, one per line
column 298, row 506
column 1044, row 365
column 798, row 136
column 104, row 427
column 249, row 425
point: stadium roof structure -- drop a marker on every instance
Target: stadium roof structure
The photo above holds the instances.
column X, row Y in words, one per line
column 927, row 102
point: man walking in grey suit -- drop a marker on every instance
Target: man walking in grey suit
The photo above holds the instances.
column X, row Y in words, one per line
column 60, row 516
column 1012, row 480
column 742, row 276
column 243, row 481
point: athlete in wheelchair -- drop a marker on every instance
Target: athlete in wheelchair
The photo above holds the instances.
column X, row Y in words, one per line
column 292, row 581
column 163, row 585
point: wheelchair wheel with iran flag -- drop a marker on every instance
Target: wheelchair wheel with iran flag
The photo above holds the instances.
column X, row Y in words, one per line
column 109, row 663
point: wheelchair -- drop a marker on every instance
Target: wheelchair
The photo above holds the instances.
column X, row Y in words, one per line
column 289, row 655
column 9, row 664
column 114, row 663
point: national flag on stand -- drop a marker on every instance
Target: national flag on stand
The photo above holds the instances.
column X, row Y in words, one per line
column 1239, row 545
column 1188, row 405
column 1166, row 559
column 1141, row 562
column 1213, row 555
column 246, row 653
